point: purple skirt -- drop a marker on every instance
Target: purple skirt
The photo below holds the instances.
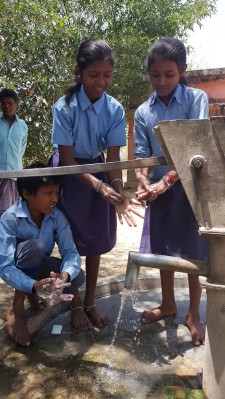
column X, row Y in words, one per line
column 92, row 219
column 170, row 227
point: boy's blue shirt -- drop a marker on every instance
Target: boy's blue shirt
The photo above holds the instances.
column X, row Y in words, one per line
column 186, row 103
column 17, row 226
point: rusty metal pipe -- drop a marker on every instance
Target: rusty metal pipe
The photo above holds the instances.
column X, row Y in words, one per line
column 170, row 263
column 87, row 168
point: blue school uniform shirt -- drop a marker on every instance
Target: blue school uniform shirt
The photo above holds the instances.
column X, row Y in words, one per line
column 13, row 141
column 17, row 226
column 186, row 103
column 89, row 128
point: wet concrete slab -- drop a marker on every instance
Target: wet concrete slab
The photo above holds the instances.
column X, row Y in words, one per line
column 107, row 286
column 125, row 360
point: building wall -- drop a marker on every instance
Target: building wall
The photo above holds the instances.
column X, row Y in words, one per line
column 212, row 81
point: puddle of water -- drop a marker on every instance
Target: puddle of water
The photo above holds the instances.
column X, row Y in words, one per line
column 125, row 360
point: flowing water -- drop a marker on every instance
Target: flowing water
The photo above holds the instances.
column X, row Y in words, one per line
column 125, row 360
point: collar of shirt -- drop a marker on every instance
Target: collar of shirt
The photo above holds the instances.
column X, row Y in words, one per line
column 23, row 211
column 2, row 116
column 85, row 103
column 177, row 95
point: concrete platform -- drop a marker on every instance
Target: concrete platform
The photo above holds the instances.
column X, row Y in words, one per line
column 125, row 360
column 80, row 366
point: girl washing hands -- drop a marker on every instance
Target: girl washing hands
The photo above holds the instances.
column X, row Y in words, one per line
column 170, row 227
column 87, row 122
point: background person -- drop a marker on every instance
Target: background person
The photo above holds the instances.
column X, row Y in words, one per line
column 13, row 138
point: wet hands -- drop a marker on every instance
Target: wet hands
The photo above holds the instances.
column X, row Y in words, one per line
column 54, row 286
column 110, row 195
column 149, row 192
column 125, row 210
column 123, row 204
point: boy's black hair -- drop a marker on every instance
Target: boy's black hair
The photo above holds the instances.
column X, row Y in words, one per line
column 33, row 183
column 8, row 93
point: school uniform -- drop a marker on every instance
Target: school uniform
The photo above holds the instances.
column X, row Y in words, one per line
column 90, row 128
column 25, row 249
column 170, row 227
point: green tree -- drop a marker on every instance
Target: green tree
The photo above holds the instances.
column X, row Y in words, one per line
column 40, row 38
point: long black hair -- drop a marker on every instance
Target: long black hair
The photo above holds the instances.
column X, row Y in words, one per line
column 89, row 51
column 168, row 48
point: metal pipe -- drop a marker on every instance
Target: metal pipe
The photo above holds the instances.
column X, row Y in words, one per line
column 174, row 264
column 88, row 168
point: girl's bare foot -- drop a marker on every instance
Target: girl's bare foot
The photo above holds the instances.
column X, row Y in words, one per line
column 36, row 302
column 153, row 315
column 98, row 318
column 196, row 328
column 80, row 320
column 17, row 327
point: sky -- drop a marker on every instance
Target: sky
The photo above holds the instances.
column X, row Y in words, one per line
column 208, row 42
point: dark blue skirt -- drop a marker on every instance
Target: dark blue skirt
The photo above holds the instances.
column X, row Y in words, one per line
column 92, row 219
column 170, row 227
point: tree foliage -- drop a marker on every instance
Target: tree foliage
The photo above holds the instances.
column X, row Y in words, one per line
column 39, row 40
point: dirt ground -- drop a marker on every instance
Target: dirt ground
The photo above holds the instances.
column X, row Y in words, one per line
column 128, row 239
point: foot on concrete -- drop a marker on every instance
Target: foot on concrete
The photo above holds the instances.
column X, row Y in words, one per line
column 36, row 302
column 196, row 328
column 98, row 318
column 17, row 327
column 156, row 314
column 79, row 319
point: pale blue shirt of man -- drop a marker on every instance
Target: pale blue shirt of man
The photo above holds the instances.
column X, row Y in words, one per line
column 17, row 226
column 13, row 141
column 186, row 103
column 89, row 128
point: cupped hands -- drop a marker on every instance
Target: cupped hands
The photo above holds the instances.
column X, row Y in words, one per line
column 53, row 286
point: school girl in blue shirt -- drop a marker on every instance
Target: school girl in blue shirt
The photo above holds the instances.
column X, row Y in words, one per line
column 170, row 227
column 87, row 122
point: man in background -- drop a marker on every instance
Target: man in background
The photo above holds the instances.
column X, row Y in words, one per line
column 13, row 141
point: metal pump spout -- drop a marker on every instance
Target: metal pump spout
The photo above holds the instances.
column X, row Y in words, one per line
column 137, row 259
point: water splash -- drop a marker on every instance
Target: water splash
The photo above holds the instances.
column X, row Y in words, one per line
column 124, row 296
